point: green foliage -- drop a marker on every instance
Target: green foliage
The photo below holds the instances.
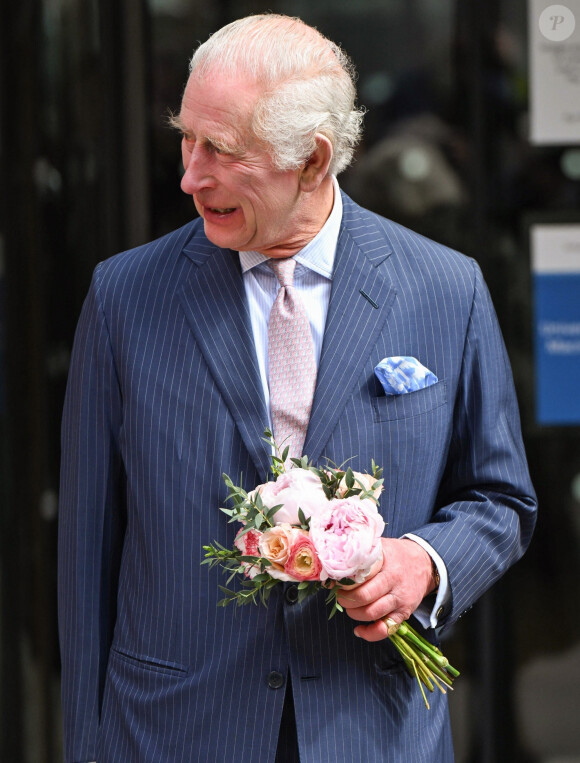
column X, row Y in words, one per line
column 249, row 510
column 425, row 662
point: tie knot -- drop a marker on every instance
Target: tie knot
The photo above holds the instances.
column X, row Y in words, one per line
column 284, row 270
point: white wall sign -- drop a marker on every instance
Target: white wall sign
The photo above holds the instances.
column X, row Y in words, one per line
column 554, row 72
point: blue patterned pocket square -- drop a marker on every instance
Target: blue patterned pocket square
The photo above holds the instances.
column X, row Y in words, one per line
column 400, row 374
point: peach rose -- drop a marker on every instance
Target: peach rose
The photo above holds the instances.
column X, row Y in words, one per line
column 364, row 481
column 275, row 544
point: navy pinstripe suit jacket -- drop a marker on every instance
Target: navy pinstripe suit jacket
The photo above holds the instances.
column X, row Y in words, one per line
column 164, row 396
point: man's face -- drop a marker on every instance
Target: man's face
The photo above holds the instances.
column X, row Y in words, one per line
column 245, row 202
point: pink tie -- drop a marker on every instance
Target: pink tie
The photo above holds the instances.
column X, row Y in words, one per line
column 292, row 367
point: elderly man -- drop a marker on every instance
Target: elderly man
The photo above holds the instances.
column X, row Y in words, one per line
column 173, row 382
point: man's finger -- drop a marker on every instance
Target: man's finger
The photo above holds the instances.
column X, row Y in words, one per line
column 364, row 594
column 376, row 631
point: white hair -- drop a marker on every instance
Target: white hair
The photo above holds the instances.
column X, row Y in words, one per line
column 307, row 81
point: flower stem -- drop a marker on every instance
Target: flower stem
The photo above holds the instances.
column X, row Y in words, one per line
column 413, row 659
column 424, row 661
column 407, row 631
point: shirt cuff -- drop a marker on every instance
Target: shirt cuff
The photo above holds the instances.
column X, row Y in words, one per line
column 426, row 615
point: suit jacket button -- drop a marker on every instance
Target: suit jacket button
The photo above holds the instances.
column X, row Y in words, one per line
column 292, row 594
column 275, row 680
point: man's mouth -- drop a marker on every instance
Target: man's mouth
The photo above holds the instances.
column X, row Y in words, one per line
column 222, row 211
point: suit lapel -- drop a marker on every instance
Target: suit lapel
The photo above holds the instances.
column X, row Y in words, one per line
column 215, row 306
column 360, row 301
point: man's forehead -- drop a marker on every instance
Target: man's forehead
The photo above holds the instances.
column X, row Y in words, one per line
column 220, row 109
column 229, row 93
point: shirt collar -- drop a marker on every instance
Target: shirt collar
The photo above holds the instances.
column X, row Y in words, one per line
column 318, row 254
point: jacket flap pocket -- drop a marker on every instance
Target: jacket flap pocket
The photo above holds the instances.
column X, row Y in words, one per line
column 406, row 406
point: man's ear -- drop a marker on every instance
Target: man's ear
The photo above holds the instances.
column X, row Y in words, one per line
column 316, row 166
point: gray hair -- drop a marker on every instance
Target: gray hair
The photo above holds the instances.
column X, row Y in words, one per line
column 307, row 81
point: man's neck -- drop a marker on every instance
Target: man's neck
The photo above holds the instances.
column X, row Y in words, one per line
column 317, row 206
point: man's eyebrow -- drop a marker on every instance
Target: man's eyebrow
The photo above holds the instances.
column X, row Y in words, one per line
column 175, row 121
column 227, row 148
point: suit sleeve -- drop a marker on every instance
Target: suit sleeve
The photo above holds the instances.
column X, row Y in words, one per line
column 486, row 506
column 91, row 522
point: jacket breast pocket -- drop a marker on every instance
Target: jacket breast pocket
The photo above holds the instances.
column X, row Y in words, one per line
column 406, row 406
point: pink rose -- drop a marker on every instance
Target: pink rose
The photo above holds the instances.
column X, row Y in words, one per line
column 303, row 562
column 248, row 544
column 297, row 488
column 347, row 537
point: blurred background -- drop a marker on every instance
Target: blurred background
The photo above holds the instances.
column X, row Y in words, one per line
column 88, row 167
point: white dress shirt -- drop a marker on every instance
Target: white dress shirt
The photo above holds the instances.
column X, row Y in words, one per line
column 313, row 280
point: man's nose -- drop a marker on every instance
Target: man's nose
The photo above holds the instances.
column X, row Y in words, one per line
column 197, row 171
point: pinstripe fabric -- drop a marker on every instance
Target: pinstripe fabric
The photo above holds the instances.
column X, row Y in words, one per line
column 164, row 394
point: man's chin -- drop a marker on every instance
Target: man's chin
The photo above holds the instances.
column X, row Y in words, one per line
column 223, row 238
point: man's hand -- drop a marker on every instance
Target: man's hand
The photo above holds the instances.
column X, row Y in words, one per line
column 396, row 591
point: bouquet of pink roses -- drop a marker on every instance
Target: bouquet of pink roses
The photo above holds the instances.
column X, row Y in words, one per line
column 320, row 528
